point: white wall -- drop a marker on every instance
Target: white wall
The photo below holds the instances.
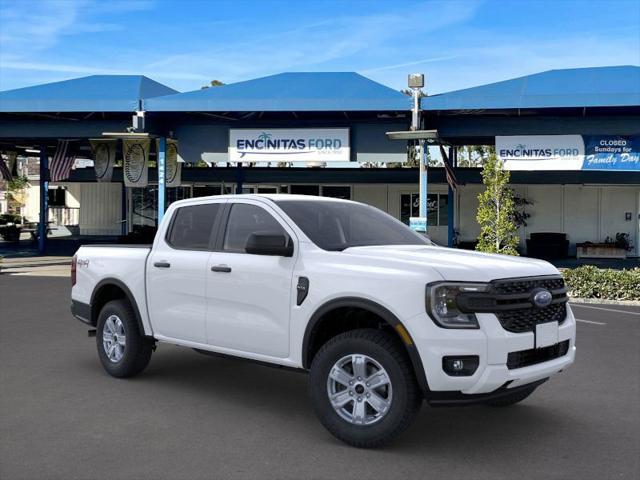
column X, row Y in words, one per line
column 375, row 195
column 614, row 203
column 583, row 212
column 100, row 208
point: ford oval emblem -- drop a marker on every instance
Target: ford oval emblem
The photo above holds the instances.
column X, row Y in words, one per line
column 541, row 298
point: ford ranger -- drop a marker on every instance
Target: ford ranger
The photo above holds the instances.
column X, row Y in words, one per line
column 380, row 317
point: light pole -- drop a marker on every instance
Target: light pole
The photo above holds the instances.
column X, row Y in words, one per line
column 416, row 83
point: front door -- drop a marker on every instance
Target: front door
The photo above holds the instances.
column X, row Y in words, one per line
column 176, row 273
column 249, row 296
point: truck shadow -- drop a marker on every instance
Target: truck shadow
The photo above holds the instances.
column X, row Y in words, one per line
column 281, row 395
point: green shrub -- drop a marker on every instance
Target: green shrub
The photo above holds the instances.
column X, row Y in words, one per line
column 588, row 281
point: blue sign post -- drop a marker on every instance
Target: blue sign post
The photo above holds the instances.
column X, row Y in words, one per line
column 162, row 177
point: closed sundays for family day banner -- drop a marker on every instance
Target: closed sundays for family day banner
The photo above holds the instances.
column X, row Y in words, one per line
column 569, row 152
column 289, row 145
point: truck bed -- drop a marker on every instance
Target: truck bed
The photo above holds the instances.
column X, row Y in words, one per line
column 123, row 265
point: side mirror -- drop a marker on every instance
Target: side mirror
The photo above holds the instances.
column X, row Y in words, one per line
column 276, row 244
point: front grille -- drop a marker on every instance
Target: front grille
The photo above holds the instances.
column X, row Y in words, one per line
column 526, row 319
column 524, row 358
column 510, row 300
column 525, row 285
column 515, row 310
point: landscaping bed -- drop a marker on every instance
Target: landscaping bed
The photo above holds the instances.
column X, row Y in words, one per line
column 588, row 281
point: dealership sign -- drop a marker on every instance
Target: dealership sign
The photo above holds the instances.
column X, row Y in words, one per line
column 541, row 152
column 611, row 152
column 289, row 145
column 569, row 152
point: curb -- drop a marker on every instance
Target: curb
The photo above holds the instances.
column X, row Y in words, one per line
column 604, row 301
column 9, row 266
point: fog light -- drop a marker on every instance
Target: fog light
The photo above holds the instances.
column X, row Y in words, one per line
column 460, row 366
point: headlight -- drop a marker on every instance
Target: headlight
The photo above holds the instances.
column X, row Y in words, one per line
column 442, row 306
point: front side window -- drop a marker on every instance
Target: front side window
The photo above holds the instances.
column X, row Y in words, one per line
column 191, row 228
column 244, row 220
column 335, row 225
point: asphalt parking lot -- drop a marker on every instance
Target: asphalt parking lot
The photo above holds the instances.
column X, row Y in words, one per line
column 192, row 416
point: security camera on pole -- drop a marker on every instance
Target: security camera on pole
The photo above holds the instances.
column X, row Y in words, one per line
column 416, row 83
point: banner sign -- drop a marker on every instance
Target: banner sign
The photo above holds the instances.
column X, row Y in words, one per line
column 541, row 152
column 173, row 166
column 135, row 153
column 569, row 152
column 418, row 224
column 289, row 145
column 104, row 157
column 610, row 152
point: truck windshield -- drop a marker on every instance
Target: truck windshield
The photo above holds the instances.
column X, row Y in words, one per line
column 338, row 225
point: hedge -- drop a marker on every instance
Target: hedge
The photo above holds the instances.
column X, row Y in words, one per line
column 588, row 281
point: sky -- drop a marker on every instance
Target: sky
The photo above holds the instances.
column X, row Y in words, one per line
column 185, row 44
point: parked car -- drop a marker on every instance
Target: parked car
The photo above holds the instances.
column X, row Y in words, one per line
column 379, row 317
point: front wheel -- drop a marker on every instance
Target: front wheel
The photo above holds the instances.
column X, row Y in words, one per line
column 122, row 348
column 363, row 388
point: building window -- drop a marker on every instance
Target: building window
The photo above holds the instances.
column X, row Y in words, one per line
column 305, row 190
column 144, row 207
column 337, row 191
column 177, row 193
column 206, row 190
column 57, row 197
column 437, row 212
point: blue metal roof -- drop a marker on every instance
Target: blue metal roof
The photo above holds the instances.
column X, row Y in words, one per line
column 576, row 87
column 96, row 93
column 288, row 92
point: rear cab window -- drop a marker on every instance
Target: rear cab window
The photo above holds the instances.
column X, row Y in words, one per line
column 192, row 226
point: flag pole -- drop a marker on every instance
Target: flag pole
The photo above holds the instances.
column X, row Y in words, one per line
column 44, row 200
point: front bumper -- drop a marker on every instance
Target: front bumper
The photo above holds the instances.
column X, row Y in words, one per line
column 492, row 344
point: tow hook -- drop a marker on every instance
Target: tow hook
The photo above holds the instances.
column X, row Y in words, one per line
column 91, row 333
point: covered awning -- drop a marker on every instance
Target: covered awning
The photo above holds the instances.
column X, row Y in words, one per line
column 617, row 86
column 289, row 92
column 96, row 93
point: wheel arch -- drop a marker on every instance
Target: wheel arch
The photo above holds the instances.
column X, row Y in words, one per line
column 113, row 289
column 323, row 314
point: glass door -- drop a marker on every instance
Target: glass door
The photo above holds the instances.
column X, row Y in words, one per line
column 264, row 189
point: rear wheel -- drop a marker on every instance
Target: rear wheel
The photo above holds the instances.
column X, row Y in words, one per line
column 363, row 388
column 512, row 399
column 122, row 348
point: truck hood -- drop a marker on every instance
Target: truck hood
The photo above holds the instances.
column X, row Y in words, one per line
column 456, row 265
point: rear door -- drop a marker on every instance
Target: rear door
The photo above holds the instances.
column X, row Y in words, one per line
column 249, row 296
column 176, row 272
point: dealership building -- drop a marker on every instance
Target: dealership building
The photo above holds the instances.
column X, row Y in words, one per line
column 571, row 139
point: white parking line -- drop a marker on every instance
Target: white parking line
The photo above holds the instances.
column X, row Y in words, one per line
column 582, row 305
column 589, row 321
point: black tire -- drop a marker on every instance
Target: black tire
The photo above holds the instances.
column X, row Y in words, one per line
column 137, row 349
column 390, row 354
column 509, row 400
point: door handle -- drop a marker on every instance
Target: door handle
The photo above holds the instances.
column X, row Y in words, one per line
column 162, row 264
column 221, row 269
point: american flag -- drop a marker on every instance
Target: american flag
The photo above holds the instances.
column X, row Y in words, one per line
column 451, row 176
column 5, row 172
column 62, row 161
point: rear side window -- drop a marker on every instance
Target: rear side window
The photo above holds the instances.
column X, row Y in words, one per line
column 191, row 227
column 244, row 220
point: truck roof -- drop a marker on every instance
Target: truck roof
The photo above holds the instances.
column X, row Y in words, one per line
column 260, row 196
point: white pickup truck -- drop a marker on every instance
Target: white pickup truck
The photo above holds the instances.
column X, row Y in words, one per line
column 379, row 316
